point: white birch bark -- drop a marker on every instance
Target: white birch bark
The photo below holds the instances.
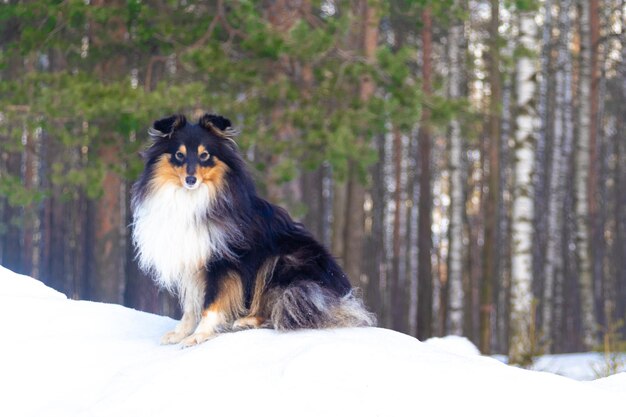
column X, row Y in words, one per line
column 582, row 172
column 527, row 123
column 561, row 149
column 457, row 203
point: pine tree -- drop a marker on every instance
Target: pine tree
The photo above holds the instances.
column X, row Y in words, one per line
column 490, row 271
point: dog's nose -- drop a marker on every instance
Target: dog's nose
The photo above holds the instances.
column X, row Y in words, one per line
column 190, row 180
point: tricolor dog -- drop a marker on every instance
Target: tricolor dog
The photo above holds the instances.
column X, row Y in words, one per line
column 234, row 260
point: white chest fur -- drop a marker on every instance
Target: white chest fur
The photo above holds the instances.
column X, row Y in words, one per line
column 173, row 237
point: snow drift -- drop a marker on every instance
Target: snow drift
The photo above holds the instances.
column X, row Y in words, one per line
column 61, row 357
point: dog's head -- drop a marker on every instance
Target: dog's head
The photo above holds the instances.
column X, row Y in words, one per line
column 189, row 155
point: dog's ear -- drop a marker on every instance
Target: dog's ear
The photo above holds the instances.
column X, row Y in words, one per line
column 164, row 128
column 214, row 120
column 219, row 126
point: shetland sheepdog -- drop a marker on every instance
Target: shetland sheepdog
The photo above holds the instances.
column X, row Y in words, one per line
column 234, row 260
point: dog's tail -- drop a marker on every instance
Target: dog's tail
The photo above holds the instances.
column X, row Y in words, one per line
column 307, row 305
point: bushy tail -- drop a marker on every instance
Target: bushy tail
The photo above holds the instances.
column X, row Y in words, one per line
column 306, row 305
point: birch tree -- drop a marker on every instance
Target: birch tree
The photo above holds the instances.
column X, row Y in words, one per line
column 544, row 133
column 582, row 174
column 527, row 123
column 457, row 200
column 561, row 150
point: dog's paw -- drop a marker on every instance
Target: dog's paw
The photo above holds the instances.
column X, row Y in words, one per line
column 196, row 339
column 245, row 323
column 173, row 337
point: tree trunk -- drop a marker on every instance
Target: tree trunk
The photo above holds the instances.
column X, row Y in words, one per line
column 398, row 290
column 490, row 271
column 603, row 226
column 282, row 15
column 567, row 321
column 582, row 177
column 502, row 285
column 411, row 251
column 457, row 187
column 312, row 182
column 597, row 240
column 81, row 240
column 108, row 214
column 374, row 243
column 620, row 185
column 12, row 237
column 354, row 234
column 59, row 243
column 561, row 149
column 540, row 182
column 339, row 218
column 109, row 240
column 522, row 223
column 473, row 260
column 424, row 240
column 29, row 178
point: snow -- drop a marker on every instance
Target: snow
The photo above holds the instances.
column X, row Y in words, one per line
column 615, row 383
column 454, row 344
column 584, row 366
column 579, row 366
column 16, row 285
column 63, row 357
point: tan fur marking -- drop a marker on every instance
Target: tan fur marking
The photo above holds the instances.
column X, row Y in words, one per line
column 229, row 301
column 178, row 122
column 166, row 173
column 264, row 273
column 183, row 149
column 210, row 126
column 213, row 175
column 201, row 149
column 249, row 322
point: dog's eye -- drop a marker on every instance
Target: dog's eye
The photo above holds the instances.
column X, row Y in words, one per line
column 180, row 156
column 204, row 156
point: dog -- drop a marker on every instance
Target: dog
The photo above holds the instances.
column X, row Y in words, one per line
column 234, row 260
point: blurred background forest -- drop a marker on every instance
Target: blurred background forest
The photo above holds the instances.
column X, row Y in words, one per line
column 465, row 160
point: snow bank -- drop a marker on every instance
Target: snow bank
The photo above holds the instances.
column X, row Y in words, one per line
column 62, row 357
column 454, row 344
column 615, row 383
column 16, row 285
column 579, row 366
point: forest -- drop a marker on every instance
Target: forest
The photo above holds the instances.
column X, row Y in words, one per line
column 464, row 160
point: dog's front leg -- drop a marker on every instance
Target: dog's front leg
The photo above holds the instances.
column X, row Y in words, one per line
column 208, row 328
column 184, row 328
column 221, row 310
column 191, row 294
